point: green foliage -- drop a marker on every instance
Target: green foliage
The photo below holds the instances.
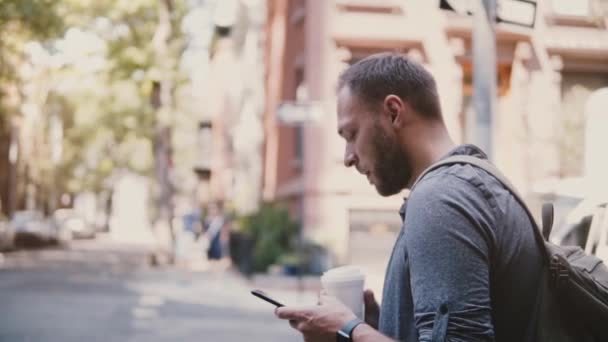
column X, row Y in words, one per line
column 103, row 94
column 21, row 21
column 273, row 233
column 109, row 120
column 31, row 18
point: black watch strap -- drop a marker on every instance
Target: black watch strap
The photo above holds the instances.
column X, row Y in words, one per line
column 345, row 334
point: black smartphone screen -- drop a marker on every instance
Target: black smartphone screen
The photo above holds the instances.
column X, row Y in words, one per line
column 260, row 294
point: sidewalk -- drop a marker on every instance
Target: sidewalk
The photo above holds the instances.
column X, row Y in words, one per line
column 105, row 291
column 220, row 305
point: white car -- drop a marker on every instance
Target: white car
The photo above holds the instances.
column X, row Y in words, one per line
column 70, row 225
column 575, row 228
column 31, row 227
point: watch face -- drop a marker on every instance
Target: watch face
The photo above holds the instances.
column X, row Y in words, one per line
column 341, row 336
column 344, row 334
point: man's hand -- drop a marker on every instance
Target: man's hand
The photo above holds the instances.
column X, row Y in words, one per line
column 372, row 309
column 318, row 323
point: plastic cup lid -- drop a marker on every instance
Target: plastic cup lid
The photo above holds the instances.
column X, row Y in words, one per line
column 343, row 274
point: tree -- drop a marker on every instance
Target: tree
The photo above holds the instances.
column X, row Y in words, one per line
column 20, row 21
column 122, row 113
column 162, row 102
column 112, row 74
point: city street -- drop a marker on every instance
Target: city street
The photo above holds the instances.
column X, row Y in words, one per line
column 103, row 291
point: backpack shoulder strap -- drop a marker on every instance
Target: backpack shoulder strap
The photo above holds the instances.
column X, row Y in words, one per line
column 493, row 171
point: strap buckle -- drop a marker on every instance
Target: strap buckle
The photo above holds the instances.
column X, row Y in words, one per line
column 558, row 273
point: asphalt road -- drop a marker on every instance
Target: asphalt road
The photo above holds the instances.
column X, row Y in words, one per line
column 102, row 291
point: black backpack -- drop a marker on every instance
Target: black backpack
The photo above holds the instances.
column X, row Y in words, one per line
column 572, row 298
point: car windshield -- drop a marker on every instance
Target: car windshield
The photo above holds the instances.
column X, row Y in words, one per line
column 25, row 216
column 63, row 214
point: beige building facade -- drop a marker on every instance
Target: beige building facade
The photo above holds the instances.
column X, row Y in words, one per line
column 541, row 72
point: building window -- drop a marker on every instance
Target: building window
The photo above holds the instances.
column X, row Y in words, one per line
column 604, row 8
column 298, row 15
column 371, row 236
column 503, row 79
column 576, row 89
column 578, row 8
column 205, row 144
column 586, row 13
column 301, row 96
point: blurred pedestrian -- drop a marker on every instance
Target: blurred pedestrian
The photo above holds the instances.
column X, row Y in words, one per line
column 188, row 227
column 215, row 234
column 465, row 266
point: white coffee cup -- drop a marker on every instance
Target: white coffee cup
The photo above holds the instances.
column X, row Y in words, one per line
column 346, row 283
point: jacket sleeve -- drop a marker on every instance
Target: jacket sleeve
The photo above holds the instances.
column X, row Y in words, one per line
column 449, row 243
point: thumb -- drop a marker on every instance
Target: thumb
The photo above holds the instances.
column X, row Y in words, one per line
column 369, row 298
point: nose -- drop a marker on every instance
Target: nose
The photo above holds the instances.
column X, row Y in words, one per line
column 350, row 159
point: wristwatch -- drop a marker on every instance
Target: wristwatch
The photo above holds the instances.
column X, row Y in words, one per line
column 345, row 334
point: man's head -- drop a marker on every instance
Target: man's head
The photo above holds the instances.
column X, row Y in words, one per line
column 382, row 101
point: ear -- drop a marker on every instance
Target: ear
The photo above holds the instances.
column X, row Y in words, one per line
column 396, row 109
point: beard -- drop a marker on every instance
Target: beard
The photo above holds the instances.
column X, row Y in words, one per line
column 391, row 169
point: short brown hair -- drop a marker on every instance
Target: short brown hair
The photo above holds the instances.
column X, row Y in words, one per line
column 379, row 75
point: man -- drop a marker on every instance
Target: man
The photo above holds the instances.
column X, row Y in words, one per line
column 465, row 266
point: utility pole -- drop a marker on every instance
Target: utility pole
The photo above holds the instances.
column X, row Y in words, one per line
column 56, row 142
column 13, row 159
column 484, row 72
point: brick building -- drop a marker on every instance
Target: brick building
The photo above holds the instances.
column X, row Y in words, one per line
column 542, row 72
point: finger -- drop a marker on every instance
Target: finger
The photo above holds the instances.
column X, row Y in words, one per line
column 298, row 325
column 369, row 298
column 368, row 295
column 329, row 300
column 302, row 327
column 293, row 313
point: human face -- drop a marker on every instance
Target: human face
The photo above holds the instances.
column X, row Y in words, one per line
column 372, row 144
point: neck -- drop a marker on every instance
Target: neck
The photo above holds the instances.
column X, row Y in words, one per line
column 435, row 144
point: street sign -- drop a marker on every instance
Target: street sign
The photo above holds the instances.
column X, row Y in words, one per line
column 299, row 112
column 464, row 7
column 517, row 12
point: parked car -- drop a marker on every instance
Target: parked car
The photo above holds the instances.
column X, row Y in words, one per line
column 574, row 230
column 7, row 234
column 102, row 222
column 71, row 225
column 31, row 228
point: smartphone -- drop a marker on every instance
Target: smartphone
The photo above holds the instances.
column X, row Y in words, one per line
column 260, row 294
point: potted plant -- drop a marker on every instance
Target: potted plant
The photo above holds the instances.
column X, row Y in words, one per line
column 263, row 238
column 291, row 263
